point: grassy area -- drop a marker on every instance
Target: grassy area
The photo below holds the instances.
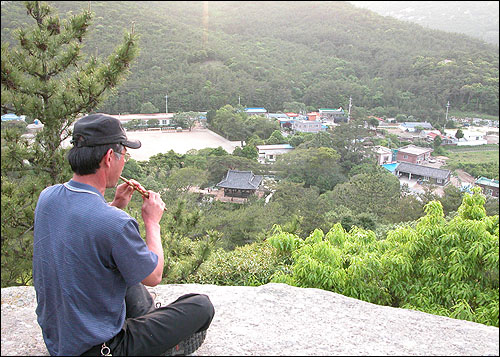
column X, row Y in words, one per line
column 458, row 114
column 450, row 150
column 477, row 161
column 472, row 157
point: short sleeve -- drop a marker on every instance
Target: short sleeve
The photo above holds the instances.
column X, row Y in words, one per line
column 132, row 257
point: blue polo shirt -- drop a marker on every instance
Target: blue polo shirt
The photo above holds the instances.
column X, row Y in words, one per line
column 85, row 254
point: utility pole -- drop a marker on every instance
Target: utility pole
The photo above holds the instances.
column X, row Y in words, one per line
column 166, row 104
column 447, row 107
column 349, row 113
column 239, row 100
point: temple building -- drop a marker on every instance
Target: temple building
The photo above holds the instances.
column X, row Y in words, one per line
column 240, row 183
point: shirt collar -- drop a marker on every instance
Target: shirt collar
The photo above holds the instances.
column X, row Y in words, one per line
column 82, row 187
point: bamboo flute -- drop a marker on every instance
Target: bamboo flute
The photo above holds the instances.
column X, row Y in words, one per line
column 137, row 188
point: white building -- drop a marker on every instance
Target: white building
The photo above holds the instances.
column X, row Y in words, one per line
column 412, row 126
column 384, row 155
column 163, row 118
column 268, row 153
column 472, row 138
column 307, row 126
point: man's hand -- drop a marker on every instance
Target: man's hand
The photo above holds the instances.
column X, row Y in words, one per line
column 152, row 211
column 152, row 208
column 124, row 194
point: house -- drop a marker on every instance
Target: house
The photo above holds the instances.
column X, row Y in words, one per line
column 256, row 111
column 268, row 153
column 384, row 155
column 445, row 139
column 413, row 154
column 307, row 126
column 337, row 115
column 240, row 183
column 35, row 127
column 414, row 126
column 424, row 173
column 12, row 116
column 313, row 116
column 278, row 116
column 489, row 186
column 472, row 138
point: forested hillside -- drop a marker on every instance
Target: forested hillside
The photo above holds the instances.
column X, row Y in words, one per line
column 208, row 54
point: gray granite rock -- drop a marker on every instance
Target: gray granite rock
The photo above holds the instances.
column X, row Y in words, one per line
column 277, row 319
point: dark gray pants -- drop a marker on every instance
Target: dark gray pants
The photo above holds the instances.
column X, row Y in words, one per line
column 148, row 331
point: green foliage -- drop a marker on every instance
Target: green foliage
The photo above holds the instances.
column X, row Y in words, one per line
column 185, row 120
column 276, row 138
column 148, row 108
column 250, row 265
column 134, row 124
column 184, row 256
column 347, row 140
column 477, row 161
column 283, row 241
column 478, row 169
column 386, row 65
column 248, row 151
column 299, row 205
column 445, row 267
column 366, row 192
column 294, row 107
column 313, row 166
column 230, row 123
column 45, row 78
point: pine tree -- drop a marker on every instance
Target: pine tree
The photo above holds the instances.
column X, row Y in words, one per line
column 46, row 78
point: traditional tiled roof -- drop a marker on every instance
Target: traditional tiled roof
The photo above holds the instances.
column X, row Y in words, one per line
column 243, row 180
column 421, row 170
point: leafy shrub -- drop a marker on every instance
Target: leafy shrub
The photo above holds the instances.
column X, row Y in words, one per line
column 250, row 265
column 441, row 267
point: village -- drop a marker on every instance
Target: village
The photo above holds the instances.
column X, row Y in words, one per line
column 416, row 167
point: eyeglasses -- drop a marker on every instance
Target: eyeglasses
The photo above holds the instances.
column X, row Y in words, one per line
column 119, row 154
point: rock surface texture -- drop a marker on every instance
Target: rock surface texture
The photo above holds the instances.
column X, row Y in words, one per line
column 277, row 319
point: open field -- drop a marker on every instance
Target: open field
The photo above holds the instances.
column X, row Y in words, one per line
column 477, row 161
column 155, row 142
column 472, row 157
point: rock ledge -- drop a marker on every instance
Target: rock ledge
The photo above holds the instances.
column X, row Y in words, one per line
column 278, row 319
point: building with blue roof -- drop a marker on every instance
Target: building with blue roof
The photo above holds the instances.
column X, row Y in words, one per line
column 256, row 111
column 411, row 126
column 489, row 186
column 12, row 116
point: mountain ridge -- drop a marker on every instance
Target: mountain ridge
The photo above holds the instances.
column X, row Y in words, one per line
column 269, row 53
column 478, row 19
